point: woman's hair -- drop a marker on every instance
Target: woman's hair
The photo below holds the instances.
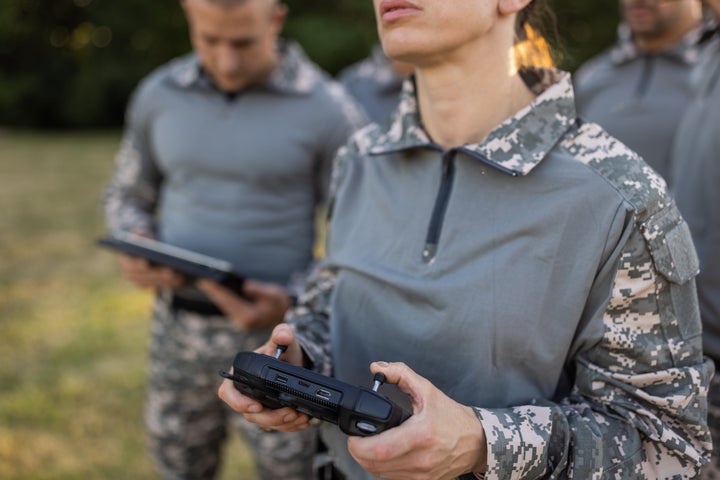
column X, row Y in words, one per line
column 532, row 27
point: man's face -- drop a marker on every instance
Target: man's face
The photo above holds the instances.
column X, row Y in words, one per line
column 236, row 44
column 655, row 18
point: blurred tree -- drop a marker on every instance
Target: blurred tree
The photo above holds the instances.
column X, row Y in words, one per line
column 585, row 28
column 73, row 63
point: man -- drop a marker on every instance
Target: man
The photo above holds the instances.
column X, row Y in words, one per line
column 226, row 152
column 375, row 82
column 638, row 89
column 695, row 175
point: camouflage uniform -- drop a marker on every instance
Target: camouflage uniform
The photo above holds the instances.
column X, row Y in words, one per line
column 695, row 179
column 239, row 178
column 549, row 284
column 184, row 415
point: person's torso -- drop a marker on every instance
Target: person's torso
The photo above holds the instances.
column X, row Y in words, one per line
column 504, row 290
column 696, row 186
column 639, row 102
column 243, row 174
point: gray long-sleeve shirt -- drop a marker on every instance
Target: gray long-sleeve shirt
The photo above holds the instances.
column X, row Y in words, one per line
column 696, row 186
column 375, row 84
column 236, row 178
column 639, row 97
column 543, row 276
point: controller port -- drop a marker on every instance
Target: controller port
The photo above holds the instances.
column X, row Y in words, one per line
column 322, row 393
column 281, row 379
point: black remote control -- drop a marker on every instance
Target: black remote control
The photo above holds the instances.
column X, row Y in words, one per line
column 356, row 410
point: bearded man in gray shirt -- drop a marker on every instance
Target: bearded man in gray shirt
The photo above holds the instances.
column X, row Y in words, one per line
column 638, row 89
column 226, row 152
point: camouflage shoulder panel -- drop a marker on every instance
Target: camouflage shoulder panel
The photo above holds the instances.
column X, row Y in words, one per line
column 366, row 138
column 357, row 147
column 621, row 167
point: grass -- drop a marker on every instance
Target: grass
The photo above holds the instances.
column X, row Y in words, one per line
column 73, row 335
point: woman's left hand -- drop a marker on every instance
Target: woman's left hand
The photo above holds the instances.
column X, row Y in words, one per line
column 441, row 440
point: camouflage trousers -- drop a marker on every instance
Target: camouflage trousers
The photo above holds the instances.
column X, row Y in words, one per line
column 712, row 471
column 186, row 420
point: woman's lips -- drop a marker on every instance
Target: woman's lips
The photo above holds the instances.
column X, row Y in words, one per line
column 391, row 10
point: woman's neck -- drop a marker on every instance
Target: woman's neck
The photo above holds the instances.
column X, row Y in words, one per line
column 461, row 103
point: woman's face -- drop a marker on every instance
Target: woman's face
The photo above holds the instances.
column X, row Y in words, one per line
column 420, row 31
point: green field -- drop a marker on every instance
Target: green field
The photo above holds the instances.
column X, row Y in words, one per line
column 73, row 335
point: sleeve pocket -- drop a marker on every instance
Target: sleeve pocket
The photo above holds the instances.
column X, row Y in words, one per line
column 673, row 253
column 671, row 247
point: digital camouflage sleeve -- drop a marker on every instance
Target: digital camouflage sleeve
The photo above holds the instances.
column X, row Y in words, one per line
column 637, row 409
column 132, row 193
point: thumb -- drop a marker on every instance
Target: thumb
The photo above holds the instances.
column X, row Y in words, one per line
column 284, row 334
column 252, row 288
column 409, row 382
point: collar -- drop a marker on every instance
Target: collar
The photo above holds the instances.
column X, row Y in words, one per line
column 517, row 145
column 687, row 50
column 295, row 74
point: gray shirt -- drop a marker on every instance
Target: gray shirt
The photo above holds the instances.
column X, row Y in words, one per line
column 639, row 97
column 239, row 177
column 696, row 185
column 542, row 276
column 375, row 84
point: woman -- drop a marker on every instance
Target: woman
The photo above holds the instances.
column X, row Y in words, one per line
column 522, row 277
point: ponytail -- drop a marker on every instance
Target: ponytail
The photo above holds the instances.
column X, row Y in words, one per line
column 532, row 49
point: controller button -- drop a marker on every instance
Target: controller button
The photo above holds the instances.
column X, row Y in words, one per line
column 366, row 427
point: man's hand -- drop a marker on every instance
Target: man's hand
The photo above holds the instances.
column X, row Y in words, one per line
column 144, row 275
column 441, row 440
column 284, row 419
column 264, row 305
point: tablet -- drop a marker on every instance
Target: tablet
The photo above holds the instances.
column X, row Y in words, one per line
column 191, row 264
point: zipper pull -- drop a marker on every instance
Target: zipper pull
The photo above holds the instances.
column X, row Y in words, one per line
column 429, row 252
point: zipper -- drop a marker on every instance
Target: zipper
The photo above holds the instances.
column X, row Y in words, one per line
column 645, row 76
column 441, row 203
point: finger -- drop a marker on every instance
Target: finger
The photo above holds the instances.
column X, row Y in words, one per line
column 274, row 296
column 225, row 297
column 236, row 400
column 130, row 264
column 253, row 289
column 283, row 419
column 240, row 310
column 167, row 277
column 407, row 380
column 284, row 334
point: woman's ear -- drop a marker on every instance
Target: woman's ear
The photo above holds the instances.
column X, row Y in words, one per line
column 510, row 7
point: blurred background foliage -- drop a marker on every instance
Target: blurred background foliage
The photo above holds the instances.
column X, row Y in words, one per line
column 72, row 63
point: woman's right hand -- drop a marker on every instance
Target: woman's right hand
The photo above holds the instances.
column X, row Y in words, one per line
column 283, row 419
